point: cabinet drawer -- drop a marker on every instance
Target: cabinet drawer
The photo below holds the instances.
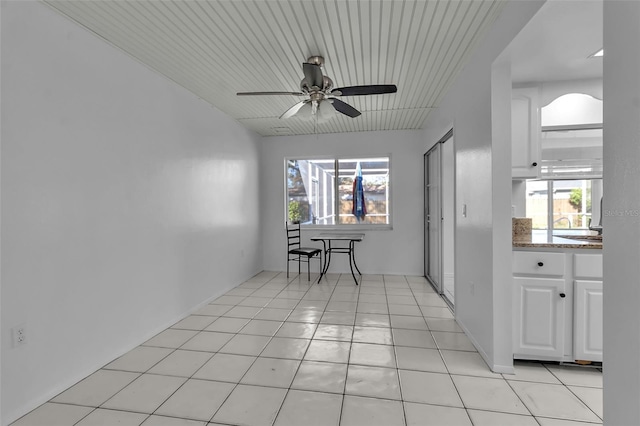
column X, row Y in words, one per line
column 538, row 263
column 587, row 265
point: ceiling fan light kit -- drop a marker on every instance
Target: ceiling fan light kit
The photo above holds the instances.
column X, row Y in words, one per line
column 322, row 101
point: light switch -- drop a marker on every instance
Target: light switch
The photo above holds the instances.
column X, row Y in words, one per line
column 464, row 210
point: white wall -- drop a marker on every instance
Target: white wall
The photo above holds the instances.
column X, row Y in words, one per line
column 501, row 157
column 396, row 251
column 482, row 292
column 126, row 203
column 621, row 222
column 1, row 328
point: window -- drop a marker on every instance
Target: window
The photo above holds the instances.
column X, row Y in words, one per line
column 571, row 152
column 567, row 200
column 321, row 191
column 563, row 206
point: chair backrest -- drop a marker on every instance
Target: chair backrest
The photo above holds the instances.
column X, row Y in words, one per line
column 293, row 235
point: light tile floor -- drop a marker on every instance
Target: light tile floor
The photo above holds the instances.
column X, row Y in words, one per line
column 278, row 351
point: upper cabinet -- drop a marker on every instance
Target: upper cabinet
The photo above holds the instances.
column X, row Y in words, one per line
column 556, row 130
column 525, row 133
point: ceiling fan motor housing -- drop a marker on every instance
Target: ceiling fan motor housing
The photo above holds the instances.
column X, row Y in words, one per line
column 327, row 85
column 316, row 60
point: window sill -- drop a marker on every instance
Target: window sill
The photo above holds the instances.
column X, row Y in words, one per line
column 332, row 228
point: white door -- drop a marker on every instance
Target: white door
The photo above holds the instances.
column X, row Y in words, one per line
column 539, row 308
column 439, row 216
column 588, row 316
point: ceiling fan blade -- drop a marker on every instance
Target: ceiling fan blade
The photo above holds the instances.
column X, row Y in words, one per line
column 294, row 109
column 375, row 89
column 269, row 93
column 313, row 74
column 345, row 108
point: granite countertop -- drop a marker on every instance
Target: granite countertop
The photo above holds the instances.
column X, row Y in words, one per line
column 565, row 241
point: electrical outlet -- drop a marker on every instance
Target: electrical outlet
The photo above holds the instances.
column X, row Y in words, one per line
column 19, row 335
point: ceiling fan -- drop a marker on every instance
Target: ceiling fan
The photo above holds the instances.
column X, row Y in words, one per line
column 321, row 98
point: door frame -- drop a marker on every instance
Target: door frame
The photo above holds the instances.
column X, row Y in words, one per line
column 428, row 218
column 439, row 287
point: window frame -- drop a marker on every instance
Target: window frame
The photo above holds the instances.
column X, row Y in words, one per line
column 596, row 164
column 550, row 230
column 596, row 173
column 336, row 159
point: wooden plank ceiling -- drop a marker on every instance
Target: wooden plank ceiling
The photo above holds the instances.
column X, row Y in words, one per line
column 217, row 48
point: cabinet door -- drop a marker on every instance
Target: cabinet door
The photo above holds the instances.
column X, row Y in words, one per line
column 525, row 133
column 587, row 320
column 539, row 309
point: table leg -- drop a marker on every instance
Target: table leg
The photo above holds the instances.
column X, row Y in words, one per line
column 353, row 250
column 352, row 261
column 327, row 257
column 325, row 265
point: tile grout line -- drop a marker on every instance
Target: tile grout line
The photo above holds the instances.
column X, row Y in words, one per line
column 256, row 358
column 195, row 372
column 303, row 355
column 293, row 286
column 573, row 393
column 446, row 366
column 395, row 353
column 218, row 351
column 346, row 377
column 211, row 357
column 518, row 396
column 582, row 401
column 300, row 361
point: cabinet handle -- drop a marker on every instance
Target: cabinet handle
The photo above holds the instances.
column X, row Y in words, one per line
column 534, row 164
column 563, row 295
column 540, row 264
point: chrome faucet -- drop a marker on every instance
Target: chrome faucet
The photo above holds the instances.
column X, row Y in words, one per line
column 598, row 227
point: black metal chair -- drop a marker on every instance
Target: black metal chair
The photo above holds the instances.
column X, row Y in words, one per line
column 297, row 253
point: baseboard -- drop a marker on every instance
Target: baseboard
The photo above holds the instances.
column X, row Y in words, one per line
column 503, row 369
column 102, row 361
column 496, row 368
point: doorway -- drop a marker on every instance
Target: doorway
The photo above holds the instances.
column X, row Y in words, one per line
column 439, row 218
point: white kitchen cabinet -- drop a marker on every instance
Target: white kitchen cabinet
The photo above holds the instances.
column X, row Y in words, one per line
column 557, row 305
column 525, row 133
column 588, row 316
column 539, row 263
column 539, row 312
column 587, row 307
column 587, row 266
